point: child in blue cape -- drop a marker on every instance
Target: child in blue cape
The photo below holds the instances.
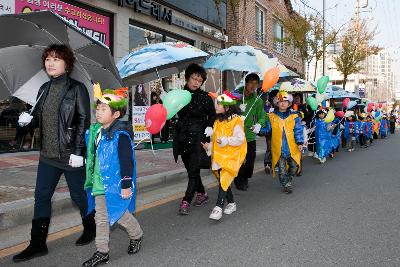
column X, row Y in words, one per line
column 369, row 126
column 335, row 135
column 111, row 174
column 384, row 127
column 322, row 136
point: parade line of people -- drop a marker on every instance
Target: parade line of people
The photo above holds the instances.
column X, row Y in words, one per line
column 217, row 133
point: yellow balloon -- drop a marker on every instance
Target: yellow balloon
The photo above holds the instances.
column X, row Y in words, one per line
column 330, row 116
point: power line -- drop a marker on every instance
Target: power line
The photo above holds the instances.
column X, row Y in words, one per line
column 317, row 11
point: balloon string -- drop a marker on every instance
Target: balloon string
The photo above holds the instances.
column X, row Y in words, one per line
column 255, row 101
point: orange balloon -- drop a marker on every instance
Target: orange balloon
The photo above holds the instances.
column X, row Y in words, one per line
column 213, row 95
column 271, row 77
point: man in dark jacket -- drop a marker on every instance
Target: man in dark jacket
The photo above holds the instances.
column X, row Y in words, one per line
column 190, row 131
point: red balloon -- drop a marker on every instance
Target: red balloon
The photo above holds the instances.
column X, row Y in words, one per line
column 345, row 102
column 370, row 107
column 339, row 114
column 155, row 118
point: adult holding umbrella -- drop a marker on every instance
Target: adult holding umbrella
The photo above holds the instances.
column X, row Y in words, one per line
column 194, row 124
column 62, row 113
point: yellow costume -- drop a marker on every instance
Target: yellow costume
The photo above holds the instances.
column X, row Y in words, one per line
column 229, row 158
column 277, row 126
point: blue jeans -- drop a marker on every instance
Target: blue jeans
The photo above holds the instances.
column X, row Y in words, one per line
column 46, row 182
column 286, row 175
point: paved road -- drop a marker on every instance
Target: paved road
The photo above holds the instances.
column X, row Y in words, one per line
column 342, row 213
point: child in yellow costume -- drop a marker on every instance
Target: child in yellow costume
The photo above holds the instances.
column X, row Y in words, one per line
column 287, row 139
column 228, row 150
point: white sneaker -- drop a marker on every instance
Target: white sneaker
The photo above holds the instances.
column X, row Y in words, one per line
column 310, row 154
column 230, row 208
column 216, row 213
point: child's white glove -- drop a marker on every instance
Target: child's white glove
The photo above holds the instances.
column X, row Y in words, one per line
column 75, row 161
column 24, row 119
column 243, row 107
column 208, row 131
column 256, row 128
column 222, row 142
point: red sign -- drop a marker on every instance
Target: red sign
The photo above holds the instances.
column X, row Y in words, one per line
column 93, row 24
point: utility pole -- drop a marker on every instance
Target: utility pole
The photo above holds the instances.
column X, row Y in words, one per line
column 323, row 38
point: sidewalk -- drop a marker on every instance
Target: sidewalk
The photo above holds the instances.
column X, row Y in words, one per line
column 18, row 176
column 18, row 172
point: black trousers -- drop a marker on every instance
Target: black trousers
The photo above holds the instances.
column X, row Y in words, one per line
column 247, row 168
column 191, row 161
column 362, row 139
column 46, row 182
column 268, row 155
column 164, row 134
column 222, row 195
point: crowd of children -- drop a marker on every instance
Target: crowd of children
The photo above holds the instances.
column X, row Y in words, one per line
column 226, row 133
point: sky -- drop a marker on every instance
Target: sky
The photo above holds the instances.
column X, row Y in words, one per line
column 384, row 14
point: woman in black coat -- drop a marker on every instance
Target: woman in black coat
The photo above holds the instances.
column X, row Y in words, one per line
column 194, row 121
column 62, row 114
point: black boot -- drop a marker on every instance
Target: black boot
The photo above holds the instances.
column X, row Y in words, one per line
column 37, row 246
column 89, row 230
column 134, row 245
column 97, row 259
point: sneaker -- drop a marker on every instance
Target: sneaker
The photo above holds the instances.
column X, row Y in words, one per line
column 216, row 213
column 97, row 259
column 184, row 208
column 287, row 189
column 230, row 208
column 201, row 199
column 310, row 154
column 241, row 187
column 267, row 169
column 134, row 245
column 322, row 161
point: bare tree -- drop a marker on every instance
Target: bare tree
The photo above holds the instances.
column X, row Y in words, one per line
column 305, row 33
column 355, row 47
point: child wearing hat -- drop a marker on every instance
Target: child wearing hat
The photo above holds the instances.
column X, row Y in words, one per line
column 322, row 136
column 286, row 139
column 227, row 149
column 111, row 187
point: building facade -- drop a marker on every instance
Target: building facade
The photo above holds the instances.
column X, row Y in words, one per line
column 259, row 23
column 123, row 26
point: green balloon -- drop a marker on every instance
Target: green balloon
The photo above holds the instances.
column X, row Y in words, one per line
column 322, row 83
column 312, row 102
column 175, row 100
